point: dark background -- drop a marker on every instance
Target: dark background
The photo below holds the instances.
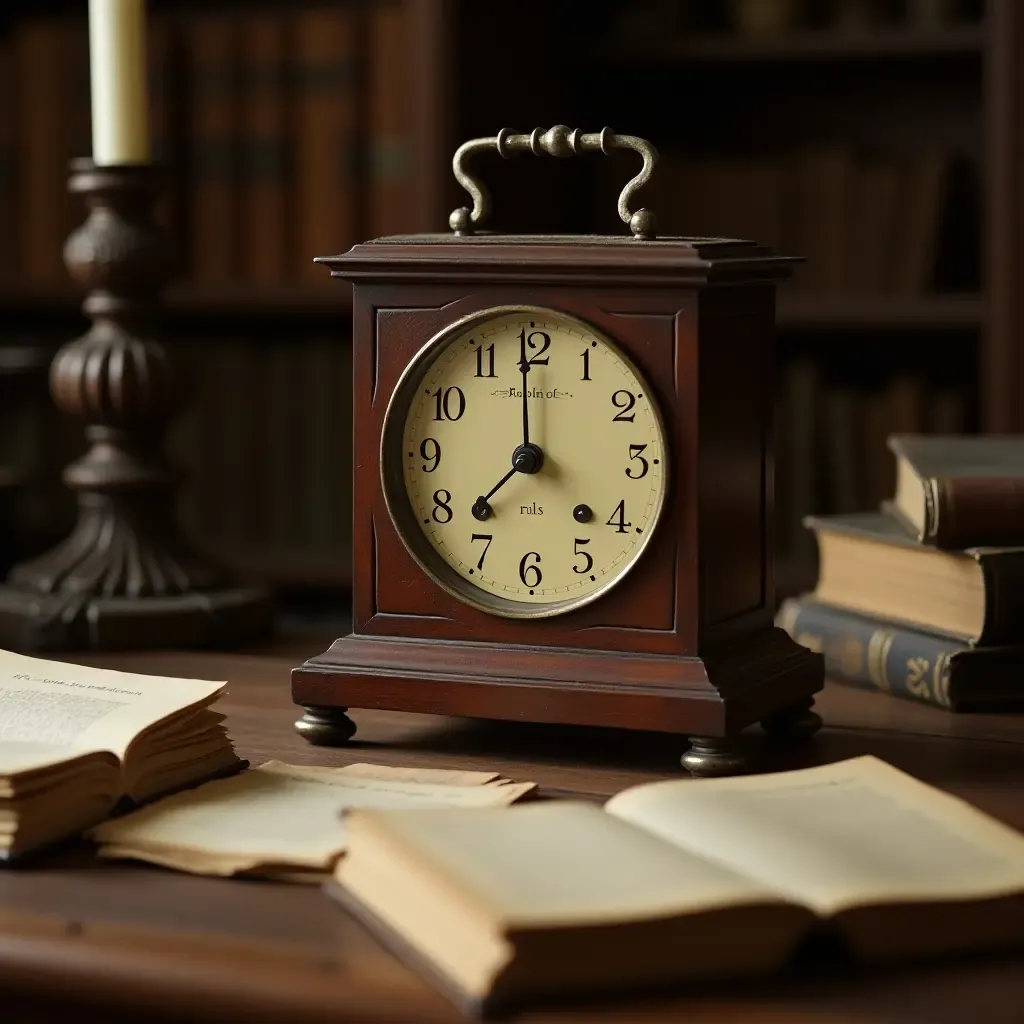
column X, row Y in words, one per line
column 878, row 139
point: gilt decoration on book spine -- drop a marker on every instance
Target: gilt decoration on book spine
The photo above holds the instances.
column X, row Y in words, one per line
column 873, row 655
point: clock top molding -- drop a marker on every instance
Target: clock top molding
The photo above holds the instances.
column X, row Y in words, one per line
column 561, row 259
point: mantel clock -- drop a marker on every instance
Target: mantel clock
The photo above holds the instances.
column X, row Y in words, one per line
column 563, row 480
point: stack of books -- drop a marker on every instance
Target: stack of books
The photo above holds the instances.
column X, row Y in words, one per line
column 924, row 599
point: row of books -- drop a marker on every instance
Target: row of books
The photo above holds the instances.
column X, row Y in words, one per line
column 760, row 18
column 266, row 450
column 924, row 598
column 831, row 442
column 285, row 134
column 36, row 443
column 866, row 223
column 264, row 447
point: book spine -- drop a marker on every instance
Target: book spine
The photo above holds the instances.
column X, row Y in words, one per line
column 285, row 456
column 233, row 359
column 1003, row 575
column 321, row 480
column 962, row 512
column 8, row 203
column 40, row 147
column 77, row 124
column 163, row 121
column 263, row 149
column 212, row 101
column 389, row 163
column 184, row 441
column 326, row 119
column 874, row 655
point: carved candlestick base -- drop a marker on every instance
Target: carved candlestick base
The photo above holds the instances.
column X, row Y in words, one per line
column 125, row 577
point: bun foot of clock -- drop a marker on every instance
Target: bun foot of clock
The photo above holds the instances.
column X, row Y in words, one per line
column 709, row 757
column 796, row 722
column 325, row 727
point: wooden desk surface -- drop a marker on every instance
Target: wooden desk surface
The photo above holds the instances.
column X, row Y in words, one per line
column 130, row 940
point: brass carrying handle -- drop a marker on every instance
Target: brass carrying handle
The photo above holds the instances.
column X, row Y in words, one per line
column 561, row 142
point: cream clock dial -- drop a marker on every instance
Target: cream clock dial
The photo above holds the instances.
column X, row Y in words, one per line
column 524, row 461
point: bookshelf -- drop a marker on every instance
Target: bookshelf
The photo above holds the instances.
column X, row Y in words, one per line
column 282, row 128
column 868, row 44
column 928, row 312
column 860, row 354
column 186, row 299
column 702, row 91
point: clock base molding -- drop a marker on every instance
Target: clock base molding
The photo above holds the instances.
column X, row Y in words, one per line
column 763, row 678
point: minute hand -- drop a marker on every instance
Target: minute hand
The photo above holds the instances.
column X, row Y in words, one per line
column 524, row 367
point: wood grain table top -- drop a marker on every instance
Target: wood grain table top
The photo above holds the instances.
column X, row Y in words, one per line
column 126, row 942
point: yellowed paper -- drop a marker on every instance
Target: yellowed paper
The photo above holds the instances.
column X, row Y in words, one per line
column 561, row 862
column 59, row 707
column 284, row 815
column 855, row 832
column 436, row 776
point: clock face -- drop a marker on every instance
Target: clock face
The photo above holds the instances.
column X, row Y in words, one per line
column 524, row 461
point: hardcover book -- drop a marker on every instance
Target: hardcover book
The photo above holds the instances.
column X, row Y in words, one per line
column 908, row 663
column 682, row 880
column 869, row 563
column 958, row 492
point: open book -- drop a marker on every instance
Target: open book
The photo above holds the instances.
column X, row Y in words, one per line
column 284, row 821
column 74, row 741
column 682, row 880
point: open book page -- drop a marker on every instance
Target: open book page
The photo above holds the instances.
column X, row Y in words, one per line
column 74, row 708
column 19, row 757
column 842, row 835
column 558, row 863
column 279, row 814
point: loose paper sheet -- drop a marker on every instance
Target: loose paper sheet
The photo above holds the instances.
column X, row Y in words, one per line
column 283, row 815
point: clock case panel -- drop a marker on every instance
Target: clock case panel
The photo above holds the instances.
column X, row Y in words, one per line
column 685, row 643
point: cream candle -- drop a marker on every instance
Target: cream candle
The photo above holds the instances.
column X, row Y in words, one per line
column 120, row 90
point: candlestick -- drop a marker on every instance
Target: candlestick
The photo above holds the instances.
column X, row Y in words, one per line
column 125, row 577
column 120, row 88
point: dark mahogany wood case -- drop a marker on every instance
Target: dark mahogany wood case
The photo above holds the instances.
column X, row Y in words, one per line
column 686, row 643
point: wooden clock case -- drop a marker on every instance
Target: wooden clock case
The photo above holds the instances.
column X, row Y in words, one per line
column 686, row 642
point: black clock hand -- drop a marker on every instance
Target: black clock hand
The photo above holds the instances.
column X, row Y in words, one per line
column 524, row 367
column 527, row 458
column 481, row 510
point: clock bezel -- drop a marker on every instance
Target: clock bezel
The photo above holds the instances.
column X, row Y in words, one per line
column 396, row 497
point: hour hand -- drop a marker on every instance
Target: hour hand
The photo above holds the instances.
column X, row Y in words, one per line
column 481, row 509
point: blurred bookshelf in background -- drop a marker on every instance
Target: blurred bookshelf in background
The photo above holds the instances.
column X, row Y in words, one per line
column 285, row 132
column 851, row 133
column 873, row 138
